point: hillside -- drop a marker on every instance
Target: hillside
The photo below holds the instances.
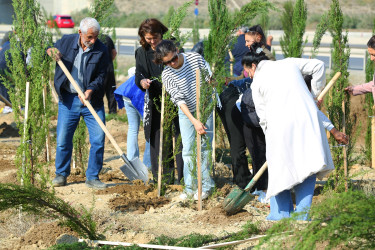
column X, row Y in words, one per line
column 359, row 14
column 355, row 7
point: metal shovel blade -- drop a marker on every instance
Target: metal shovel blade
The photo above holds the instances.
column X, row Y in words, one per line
column 236, row 200
column 134, row 169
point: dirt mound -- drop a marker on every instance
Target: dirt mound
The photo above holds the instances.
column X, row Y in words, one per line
column 45, row 234
column 218, row 216
column 7, row 131
column 137, row 198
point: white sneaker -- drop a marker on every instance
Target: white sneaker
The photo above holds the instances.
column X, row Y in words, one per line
column 262, row 198
column 204, row 195
column 184, row 196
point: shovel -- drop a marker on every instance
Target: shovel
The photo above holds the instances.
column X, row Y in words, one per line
column 239, row 197
column 133, row 169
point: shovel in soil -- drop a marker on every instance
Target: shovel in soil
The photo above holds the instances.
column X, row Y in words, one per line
column 239, row 197
column 133, row 169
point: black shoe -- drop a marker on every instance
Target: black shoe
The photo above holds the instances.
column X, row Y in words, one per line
column 96, row 184
column 59, row 181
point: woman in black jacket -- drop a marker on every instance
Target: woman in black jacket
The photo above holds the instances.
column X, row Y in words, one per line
column 151, row 33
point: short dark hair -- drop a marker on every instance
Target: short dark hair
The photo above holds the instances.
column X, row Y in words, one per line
column 152, row 26
column 255, row 30
column 163, row 49
column 254, row 56
column 371, row 42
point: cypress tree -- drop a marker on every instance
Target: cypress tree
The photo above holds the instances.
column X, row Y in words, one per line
column 368, row 105
column 29, row 42
column 294, row 24
column 333, row 21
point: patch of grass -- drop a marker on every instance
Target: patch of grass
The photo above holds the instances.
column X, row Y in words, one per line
column 343, row 220
column 116, row 117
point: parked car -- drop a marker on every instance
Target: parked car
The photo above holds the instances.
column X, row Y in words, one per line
column 62, row 21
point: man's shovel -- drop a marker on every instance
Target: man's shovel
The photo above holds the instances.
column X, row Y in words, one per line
column 238, row 197
column 133, row 169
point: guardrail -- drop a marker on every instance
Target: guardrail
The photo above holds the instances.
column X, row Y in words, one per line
column 127, row 45
column 357, row 60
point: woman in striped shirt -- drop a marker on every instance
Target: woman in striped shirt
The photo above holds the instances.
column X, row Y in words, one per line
column 179, row 80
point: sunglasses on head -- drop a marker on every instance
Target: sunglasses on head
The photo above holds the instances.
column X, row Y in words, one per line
column 172, row 60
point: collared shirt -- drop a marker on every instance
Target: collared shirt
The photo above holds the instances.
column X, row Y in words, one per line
column 78, row 69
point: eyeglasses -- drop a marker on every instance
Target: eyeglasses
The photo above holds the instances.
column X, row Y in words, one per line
column 172, row 60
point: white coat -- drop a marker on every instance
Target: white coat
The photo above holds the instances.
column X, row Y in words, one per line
column 297, row 146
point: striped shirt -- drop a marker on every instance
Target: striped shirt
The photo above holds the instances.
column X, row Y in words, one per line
column 181, row 84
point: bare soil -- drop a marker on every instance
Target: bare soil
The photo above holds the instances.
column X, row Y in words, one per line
column 131, row 211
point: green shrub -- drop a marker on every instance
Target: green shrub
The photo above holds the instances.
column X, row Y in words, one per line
column 340, row 220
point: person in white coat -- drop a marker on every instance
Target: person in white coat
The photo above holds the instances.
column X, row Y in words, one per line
column 297, row 149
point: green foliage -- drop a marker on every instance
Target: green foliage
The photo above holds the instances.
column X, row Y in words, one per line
column 340, row 220
column 174, row 25
column 368, row 105
column 191, row 240
column 31, row 38
column 222, row 26
column 340, row 61
column 195, row 31
column 168, row 15
column 333, row 21
column 102, row 11
column 294, row 24
column 80, row 147
column 46, row 204
column 321, row 28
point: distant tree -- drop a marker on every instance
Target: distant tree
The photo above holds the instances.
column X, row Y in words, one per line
column 294, row 24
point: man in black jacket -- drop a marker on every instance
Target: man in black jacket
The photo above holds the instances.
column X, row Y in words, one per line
column 87, row 60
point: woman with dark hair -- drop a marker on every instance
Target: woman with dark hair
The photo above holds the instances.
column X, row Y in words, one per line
column 255, row 35
column 179, row 79
column 297, row 146
column 151, row 33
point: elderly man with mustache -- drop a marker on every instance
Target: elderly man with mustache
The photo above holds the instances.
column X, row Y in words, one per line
column 87, row 60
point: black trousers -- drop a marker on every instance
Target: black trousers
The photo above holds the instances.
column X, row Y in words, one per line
column 168, row 170
column 256, row 143
column 233, row 125
column 110, row 86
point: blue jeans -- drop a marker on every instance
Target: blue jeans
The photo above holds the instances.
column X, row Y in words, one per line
column 69, row 114
column 188, row 140
column 281, row 205
column 132, row 148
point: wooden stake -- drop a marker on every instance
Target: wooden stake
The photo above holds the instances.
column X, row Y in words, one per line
column 25, row 117
column 213, row 143
column 160, row 170
column 231, row 61
column 198, row 94
column 344, row 148
column 373, row 137
column 48, row 138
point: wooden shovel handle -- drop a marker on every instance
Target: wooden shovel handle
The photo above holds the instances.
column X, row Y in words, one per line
column 329, row 86
column 4, row 100
column 88, row 105
column 256, row 177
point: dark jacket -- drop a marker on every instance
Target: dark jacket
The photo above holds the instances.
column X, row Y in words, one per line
column 146, row 68
column 248, row 111
column 94, row 73
column 238, row 50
